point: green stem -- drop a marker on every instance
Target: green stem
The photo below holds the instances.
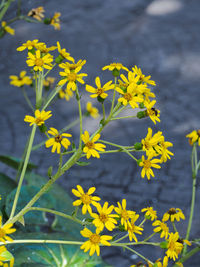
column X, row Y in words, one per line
column 121, row 238
column 27, row 99
column 5, row 8
column 120, row 118
column 113, row 100
column 142, row 222
column 174, row 227
column 23, row 171
column 49, row 70
column 140, row 255
column 146, row 239
column 51, row 96
column 80, row 117
column 41, row 241
column 188, row 255
column 104, row 113
column 18, row 7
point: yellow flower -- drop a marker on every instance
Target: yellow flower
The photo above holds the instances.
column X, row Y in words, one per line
column 37, row 13
column 194, row 136
column 72, row 78
column 49, row 81
column 153, row 113
column 57, row 140
column 104, row 218
column 174, row 247
column 117, row 66
column 147, row 164
column 72, row 66
column 4, row 230
column 150, row 213
column 132, row 228
column 99, row 91
column 90, row 147
column 7, row 28
column 132, row 78
column 124, row 214
column 164, row 151
column 55, row 21
column 29, row 45
column 11, row 263
column 39, row 61
column 86, row 199
column 44, row 49
column 161, row 228
column 164, row 264
column 39, row 118
column 2, row 250
column 67, row 94
column 21, row 80
column 92, row 110
column 94, row 241
column 142, row 77
column 63, row 53
column 173, row 214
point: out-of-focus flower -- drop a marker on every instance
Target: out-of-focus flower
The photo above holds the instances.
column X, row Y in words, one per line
column 37, row 13
column 7, row 28
column 21, row 80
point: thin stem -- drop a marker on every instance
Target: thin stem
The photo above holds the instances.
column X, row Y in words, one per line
column 120, row 118
column 18, row 7
column 118, row 111
column 27, row 99
column 41, row 241
column 142, row 222
column 23, row 171
column 51, row 96
column 80, row 117
column 140, row 255
column 121, row 238
column 5, row 8
column 113, row 100
column 146, row 239
column 104, row 112
column 174, row 227
column 49, row 70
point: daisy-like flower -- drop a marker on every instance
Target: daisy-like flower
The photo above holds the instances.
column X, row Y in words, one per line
column 162, row 264
column 29, row 45
column 93, row 112
column 21, row 80
column 39, row 118
column 48, row 82
column 165, row 153
column 57, row 140
column 2, row 258
column 11, row 263
column 194, row 136
column 153, row 113
column 90, row 147
column 37, row 13
column 55, row 21
column 124, row 214
column 94, row 241
column 142, row 77
column 173, row 214
column 133, row 229
column 72, row 78
column 150, row 213
column 117, row 66
column 85, row 199
column 147, row 164
column 7, row 28
column 100, row 90
column 125, row 82
column 129, row 96
column 63, row 53
column 72, row 66
column 39, row 61
column 5, row 230
column 174, row 247
column 104, row 218
column 67, row 94
column 44, row 49
column 161, row 228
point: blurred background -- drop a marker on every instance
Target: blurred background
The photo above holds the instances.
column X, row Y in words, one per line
column 160, row 36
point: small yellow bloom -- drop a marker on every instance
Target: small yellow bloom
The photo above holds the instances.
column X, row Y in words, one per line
column 194, row 136
column 174, row 246
column 11, row 263
column 57, row 140
column 104, row 218
column 153, row 113
column 142, row 77
column 147, row 164
column 37, row 13
column 49, row 81
column 4, row 230
column 90, row 147
column 2, row 250
column 117, row 66
column 100, row 90
column 165, row 153
column 125, row 82
column 21, row 80
column 67, row 94
column 55, row 21
column 86, row 199
column 44, row 49
column 8, row 29
column 72, row 66
column 92, row 110
column 150, row 213
column 72, row 78
column 161, row 228
column 164, row 264
column 134, row 229
column 94, row 241
column 39, row 118
column 124, row 214
column 29, row 45
column 39, row 61
column 173, row 214
column 63, row 53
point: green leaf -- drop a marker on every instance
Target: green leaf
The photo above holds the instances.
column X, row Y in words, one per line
column 6, row 186
column 82, row 163
column 14, row 162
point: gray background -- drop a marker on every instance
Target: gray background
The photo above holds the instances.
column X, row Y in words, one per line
column 161, row 37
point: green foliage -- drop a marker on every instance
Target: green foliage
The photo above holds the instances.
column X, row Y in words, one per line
column 6, row 186
column 15, row 162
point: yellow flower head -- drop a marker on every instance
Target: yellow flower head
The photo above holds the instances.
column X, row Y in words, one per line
column 104, row 218
column 2, row 250
column 142, row 77
column 174, row 246
column 194, row 136
column 57, row 140
column 150, row 213
column 44, row 49
column 153, row 113
column 39, row 118
column 134, row 229
column 63, row 53
column 147, row 164
column 55, row 21
column 6, row 28
column 67, row 94
column 90, row 147
column 124, row 214
column 21, row 80
column 94, row 241
column 100, row 90
column 165, row 153
column 37, row 13
column 117, row 66
column 4, row 230
column 85, row 199
column 39, row 61
column 161, row 228
column 49, row 81
column 125, row 82
column 92, row 110
column 72, row 66
column 173, row 214
column 11, row 263
column 164, row 264
column 29, row 45
column 72, row 78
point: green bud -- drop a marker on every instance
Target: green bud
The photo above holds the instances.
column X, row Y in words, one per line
column 87, row 113
column 2, row 32
column 141, row 105
column 138, row 162
column 115, row 72
column 43, row 128
column 49, row 172
column 102, row 122
column 163, row 244
column 138, row 146
column 59, row 59
column 141, row 114
column 47, row 21
column 121, row 228
column 32, row 51
column 100, row 99
column 139, row 82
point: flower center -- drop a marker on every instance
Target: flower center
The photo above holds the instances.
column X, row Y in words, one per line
column 100, row 91
column 58, row 138
column 2, row 233
column 124, row 215
column 147, row 145
column 127, row 96
column 147, row 164
column 86, row 199
column 90, row 145
column 72, row 77
column 153, row 112
column 95, row 239
column 39, row 62
column 172, row 211
column 103, row 217
column 39, row 121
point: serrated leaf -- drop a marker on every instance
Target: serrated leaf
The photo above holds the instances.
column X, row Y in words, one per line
column 14, row 162
column 82, row 163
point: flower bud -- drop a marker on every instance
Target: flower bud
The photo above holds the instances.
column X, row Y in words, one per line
column 115, row 72
column 138, row 146
column 47, row 21
column 141, row 114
